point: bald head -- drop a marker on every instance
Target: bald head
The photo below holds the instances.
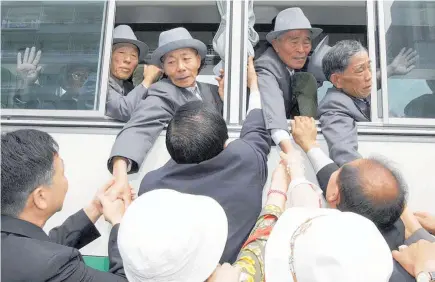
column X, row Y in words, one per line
column 374, row 189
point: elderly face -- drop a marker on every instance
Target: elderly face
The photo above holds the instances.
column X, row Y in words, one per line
column 356, row 80
column 293, row 47
column 125, row 58
column 181, row 66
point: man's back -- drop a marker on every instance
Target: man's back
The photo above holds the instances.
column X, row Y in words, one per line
column 235, row 178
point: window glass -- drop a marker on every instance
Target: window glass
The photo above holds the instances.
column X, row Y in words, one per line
column 50, row 54
column 410, row 26
column 339, row 20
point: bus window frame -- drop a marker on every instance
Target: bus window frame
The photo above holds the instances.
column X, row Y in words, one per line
column 105, row 53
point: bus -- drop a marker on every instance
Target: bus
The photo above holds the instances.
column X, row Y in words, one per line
column 77, row 32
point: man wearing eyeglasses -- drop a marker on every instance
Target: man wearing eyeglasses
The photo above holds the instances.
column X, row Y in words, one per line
column 32, row 93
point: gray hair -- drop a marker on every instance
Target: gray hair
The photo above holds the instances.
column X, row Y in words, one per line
column 338, row 57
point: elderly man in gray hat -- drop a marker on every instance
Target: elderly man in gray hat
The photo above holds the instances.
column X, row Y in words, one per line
column 180, row 56
column 127, row 52
column 287, row 93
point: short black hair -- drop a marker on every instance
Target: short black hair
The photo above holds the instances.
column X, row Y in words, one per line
column 27, row 162
column 373, row 189
column 196, row 133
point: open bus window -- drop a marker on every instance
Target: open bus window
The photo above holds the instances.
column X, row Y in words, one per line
column 339, row 20
column 411, row 25
column 149, row 18
column 50, row 54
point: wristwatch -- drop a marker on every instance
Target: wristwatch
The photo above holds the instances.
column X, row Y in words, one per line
column 426, row 277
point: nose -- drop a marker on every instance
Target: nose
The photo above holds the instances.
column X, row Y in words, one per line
column 127, row 59
column 180, row 66
column 368, row 75
column 300, row 47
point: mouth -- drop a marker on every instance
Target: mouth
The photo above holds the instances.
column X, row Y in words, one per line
column 182, row 78
column 299, row 58
column 124, row 69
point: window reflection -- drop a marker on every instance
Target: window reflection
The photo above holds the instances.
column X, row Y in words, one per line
column 49, row 51
column 411, row 24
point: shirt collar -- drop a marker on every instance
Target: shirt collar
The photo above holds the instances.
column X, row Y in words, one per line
column 290, row 71
column 193, row 88
column 23, row 228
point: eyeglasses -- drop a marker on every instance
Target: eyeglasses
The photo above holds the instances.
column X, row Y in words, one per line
column 299, row 231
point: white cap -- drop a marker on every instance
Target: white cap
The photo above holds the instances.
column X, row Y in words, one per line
column 335, row 247
column 170, row 236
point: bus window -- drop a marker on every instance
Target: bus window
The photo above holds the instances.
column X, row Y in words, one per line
column 149, row 18
column 411, row 25
column 50, row 53
column 339, row 20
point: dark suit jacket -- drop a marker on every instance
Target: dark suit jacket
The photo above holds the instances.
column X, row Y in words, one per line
column 275, row 83
column 151, row 116
column 44, row 98
column 394, row 237
column 235, row 178
column 28, row 254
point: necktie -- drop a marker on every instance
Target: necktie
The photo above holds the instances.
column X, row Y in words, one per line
column 364, row 105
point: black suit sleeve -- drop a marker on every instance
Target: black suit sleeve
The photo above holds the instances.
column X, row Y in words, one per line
column 77, row 231
column 76, row 270
column 255, row 134
column 324, row 175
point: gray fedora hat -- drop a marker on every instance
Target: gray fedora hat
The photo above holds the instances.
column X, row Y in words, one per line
column 291, row 19
column 124, row 34
column 173, row 39
column 315, row 63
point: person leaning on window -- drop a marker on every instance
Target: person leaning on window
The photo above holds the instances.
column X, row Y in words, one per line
column 122, row 95
column 181, row 57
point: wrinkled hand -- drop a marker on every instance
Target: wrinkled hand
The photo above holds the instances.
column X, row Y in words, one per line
column 28, row 68
column 294, row 162
column 416, row 258
column 427, row 221
column 121, row 189
column 226, row 273
column 304, row 132
column 403, row 63
column 150, row 74
column 221, row 81
column 252, row 75
column 113, row 211
column 280, row 177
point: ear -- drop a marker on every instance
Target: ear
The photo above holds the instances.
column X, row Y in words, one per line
column 332, row 194
column 336, row 80
column 40, row 198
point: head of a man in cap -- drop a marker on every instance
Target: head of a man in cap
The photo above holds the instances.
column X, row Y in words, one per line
column 182, row 66
column 127, row 52
column 318, row 245
column 293, row 47
column 180, row 56
column 292, row 36
column 369, row 187
column 33, row 183
column 184, row 243
column 195, row 134
column 348, row 67
column 125, row 58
